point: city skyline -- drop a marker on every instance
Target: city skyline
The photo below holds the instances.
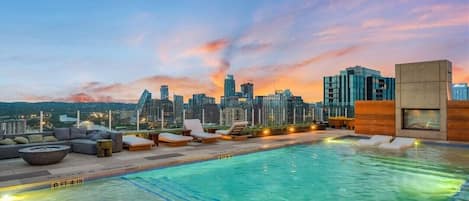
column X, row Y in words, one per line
column 78, row 52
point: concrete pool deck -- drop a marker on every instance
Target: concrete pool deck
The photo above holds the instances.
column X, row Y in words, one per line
column 17, row 175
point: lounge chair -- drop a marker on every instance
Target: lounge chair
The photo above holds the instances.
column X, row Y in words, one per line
column 174, row 140
column 234, row 133
column 198, row 132
column 375, row 140
column 134, row 143
column 398, row 143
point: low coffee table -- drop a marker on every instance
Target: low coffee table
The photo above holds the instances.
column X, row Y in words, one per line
column 44, row 155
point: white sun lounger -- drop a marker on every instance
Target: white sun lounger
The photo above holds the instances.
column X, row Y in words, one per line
column 198, row 132
column 398, row 143
column 173, row 139
column 375, row 140
column 134, row 143
column 235, row 129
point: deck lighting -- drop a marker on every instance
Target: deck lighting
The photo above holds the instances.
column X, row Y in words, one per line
column 266, row 131
column 6, row 198
column 417, row 142
column 291, row 129
column 314, row 127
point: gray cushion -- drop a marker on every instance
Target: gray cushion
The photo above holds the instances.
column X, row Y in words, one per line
column 77, row 133
column 97, row 135
column 62, row 133
column 84, row 146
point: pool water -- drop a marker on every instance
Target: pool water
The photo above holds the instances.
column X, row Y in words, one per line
column 335, row 170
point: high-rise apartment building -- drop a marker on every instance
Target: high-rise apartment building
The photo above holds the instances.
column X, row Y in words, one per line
column 230, row 86
column 355, row 83
column 164, row 91
column 247, row 90
column 197, row 103
column 178, row 109
column 154, row 111
column 460, row 91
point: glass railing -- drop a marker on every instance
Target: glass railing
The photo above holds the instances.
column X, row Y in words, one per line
column 133, row 120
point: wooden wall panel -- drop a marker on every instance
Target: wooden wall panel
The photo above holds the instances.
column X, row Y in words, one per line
column 458, row 120
column 375, row 117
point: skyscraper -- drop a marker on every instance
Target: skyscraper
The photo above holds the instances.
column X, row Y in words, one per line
column 178, row 109
column 144, row 98
column 164, row 92
column 247, row 89
column 230, row 86
column 197, row 104
column 355, row 83
column 460, row 91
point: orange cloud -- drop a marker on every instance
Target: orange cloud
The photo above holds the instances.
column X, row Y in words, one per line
column 212, row 46
column 460, row 74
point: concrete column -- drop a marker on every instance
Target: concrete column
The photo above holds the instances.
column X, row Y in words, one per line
column 313, row 115
column 259, row 116
column 232, row 115
column 41, row 121
column 138, row 120
column 304, row 115
column 183, row 117
column 322, row 114
column 203, row 117
column 252, row 117
column 221, row 117
column 78, row 118
column 245, row 114
column 110, row 120
column 283, row 116
column 162, row 119
column 294, row 115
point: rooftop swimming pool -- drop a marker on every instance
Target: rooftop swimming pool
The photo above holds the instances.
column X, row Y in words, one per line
column 331, row 170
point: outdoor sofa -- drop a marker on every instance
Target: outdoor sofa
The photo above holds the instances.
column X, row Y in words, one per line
column 80, row 141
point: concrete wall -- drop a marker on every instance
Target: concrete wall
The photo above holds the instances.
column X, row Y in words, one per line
column 423, row 85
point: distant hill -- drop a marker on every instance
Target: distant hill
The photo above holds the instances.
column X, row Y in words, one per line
column 24, row 108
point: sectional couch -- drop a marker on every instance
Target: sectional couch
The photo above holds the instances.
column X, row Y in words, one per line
column 79, row 140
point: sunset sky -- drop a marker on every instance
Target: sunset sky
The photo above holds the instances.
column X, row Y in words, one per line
column 113, row 50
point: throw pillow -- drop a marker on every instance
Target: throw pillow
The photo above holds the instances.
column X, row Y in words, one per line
column 50, row 139
column 62, row 133
column 77, row 133
column 21, row 140
column 35, row 138
column 7, row 141
column 97, row 135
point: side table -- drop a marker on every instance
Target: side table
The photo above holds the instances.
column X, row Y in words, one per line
column 186, row 132
column 211, row 130
column 154, row 137
column 104, row 147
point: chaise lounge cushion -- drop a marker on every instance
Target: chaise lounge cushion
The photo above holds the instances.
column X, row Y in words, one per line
column 136, row 141
column 77, row 133
column 35, row 138
column 62, row 133
column 169, row 137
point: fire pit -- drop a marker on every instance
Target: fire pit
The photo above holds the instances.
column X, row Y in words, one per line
column 44, row 155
